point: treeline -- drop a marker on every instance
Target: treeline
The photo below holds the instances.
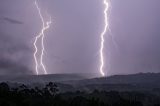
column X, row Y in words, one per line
column 50, row 96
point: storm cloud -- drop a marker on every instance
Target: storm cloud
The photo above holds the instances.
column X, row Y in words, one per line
column 73, row 40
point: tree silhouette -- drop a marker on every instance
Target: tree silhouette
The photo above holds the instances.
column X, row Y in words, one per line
column 51, row 89
column 50, row 96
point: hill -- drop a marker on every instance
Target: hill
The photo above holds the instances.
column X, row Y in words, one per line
column 134, row 82
column 73, row 82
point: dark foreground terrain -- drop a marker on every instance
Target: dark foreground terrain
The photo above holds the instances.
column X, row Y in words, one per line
column 120, row 90
column 50, row 96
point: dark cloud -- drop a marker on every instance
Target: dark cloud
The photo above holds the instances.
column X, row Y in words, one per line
column 9, row 67
column 13, row 56
column 12, row 21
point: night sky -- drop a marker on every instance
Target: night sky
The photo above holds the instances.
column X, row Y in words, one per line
column 73, row 40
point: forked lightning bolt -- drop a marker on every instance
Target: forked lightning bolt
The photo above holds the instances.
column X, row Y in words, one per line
column 41, row 35
column 102, row 37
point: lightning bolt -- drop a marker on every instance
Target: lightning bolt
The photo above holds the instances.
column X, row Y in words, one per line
column 41, row 35
column 102, row 37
